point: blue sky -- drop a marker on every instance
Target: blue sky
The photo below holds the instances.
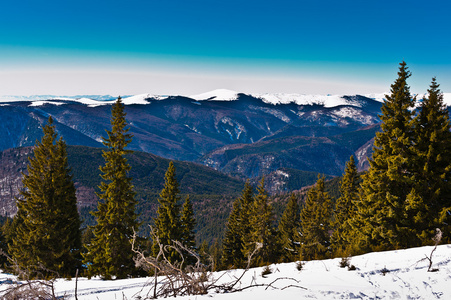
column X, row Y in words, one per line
column 188, row 46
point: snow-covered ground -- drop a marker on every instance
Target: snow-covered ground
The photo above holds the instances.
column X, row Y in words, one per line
column 405, row 277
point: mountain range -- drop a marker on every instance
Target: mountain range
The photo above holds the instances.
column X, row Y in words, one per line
column 287, row 138
column 222, row 129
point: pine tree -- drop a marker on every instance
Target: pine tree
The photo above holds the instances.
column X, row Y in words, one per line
column 429, row 206
column 216, row 255
column 389, row 181
column 46, row 240
column 261, row 230
column 6, row 232
column 238, row 227
column 345, row 210
column 188, row 223
column 289, row 227
column 204, row 254
column 168, row 227
column 316, row 223
column 110, row 253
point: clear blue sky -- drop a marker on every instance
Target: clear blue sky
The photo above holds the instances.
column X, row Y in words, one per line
column 192, row 46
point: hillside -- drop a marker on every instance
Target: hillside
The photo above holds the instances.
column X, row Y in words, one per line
column 185, row 128
column 327, row 155
column 261, row 135
column 211, row 191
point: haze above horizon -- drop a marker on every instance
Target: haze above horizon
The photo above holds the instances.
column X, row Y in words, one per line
column 189, row 47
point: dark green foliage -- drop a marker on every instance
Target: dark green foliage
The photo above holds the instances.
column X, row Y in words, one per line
column 406, row 193
column 266, row 271
column 210, row 191
column 6, row 234
column 187, row 225
column 389, row 181
column 216, row 255
column 45, row 238
column 345, row 210
column 204, row 254
column 110, row 253
column 261, row 230
column 168, row 226
column 316, row 223
column 289, row 227
column 238, row 227
column 429, row 203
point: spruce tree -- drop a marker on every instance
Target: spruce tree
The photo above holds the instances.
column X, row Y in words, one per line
column 46, row 240
column 238, row 227
column 168, row 227
column 216, row 255
column 429, row 206
column 316, row 223
column 261, row 230
column 345, row 210
column 389, row 181
column 289, row 227
column 204, row 254
column 188, row 223
column 110, row 254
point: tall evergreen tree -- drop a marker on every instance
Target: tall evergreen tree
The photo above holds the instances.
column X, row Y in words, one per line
column 167, row 223
column 46, row 235
column 110, row 253
column 261, row 229
column 388, row 183
column 316, row 223
column 238, row 227
column 289, row 227
column 430, row 205
column 345, row 210
column 188, row 224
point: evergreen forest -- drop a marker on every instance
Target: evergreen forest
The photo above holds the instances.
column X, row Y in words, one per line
column 400, row 202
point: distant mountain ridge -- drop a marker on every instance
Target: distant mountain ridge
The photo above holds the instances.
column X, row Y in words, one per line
column 215, row 95
column 196, row 128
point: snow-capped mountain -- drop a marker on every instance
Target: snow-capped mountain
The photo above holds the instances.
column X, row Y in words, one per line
column 247, row 135
column 271, row 130
column 215, row 95
column 327, row 101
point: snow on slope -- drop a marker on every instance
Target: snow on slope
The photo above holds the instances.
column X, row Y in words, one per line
column 136, row 99
column 220, row 94
column 377, row 97
column 216, row 95
column 299, row 99
column 56, row 100
column 40, row 103
column 447, row 99
column 406, row 277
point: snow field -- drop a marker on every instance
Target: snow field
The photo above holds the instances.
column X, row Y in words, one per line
column 406, row 278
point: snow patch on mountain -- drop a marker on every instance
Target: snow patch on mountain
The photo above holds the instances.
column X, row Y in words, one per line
column 40, row 103
column 350, row 112
column 327, row 101
column 377, row 97
column 302, row 99
column 142, row 99
column 447, row 99
column 220, row 94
